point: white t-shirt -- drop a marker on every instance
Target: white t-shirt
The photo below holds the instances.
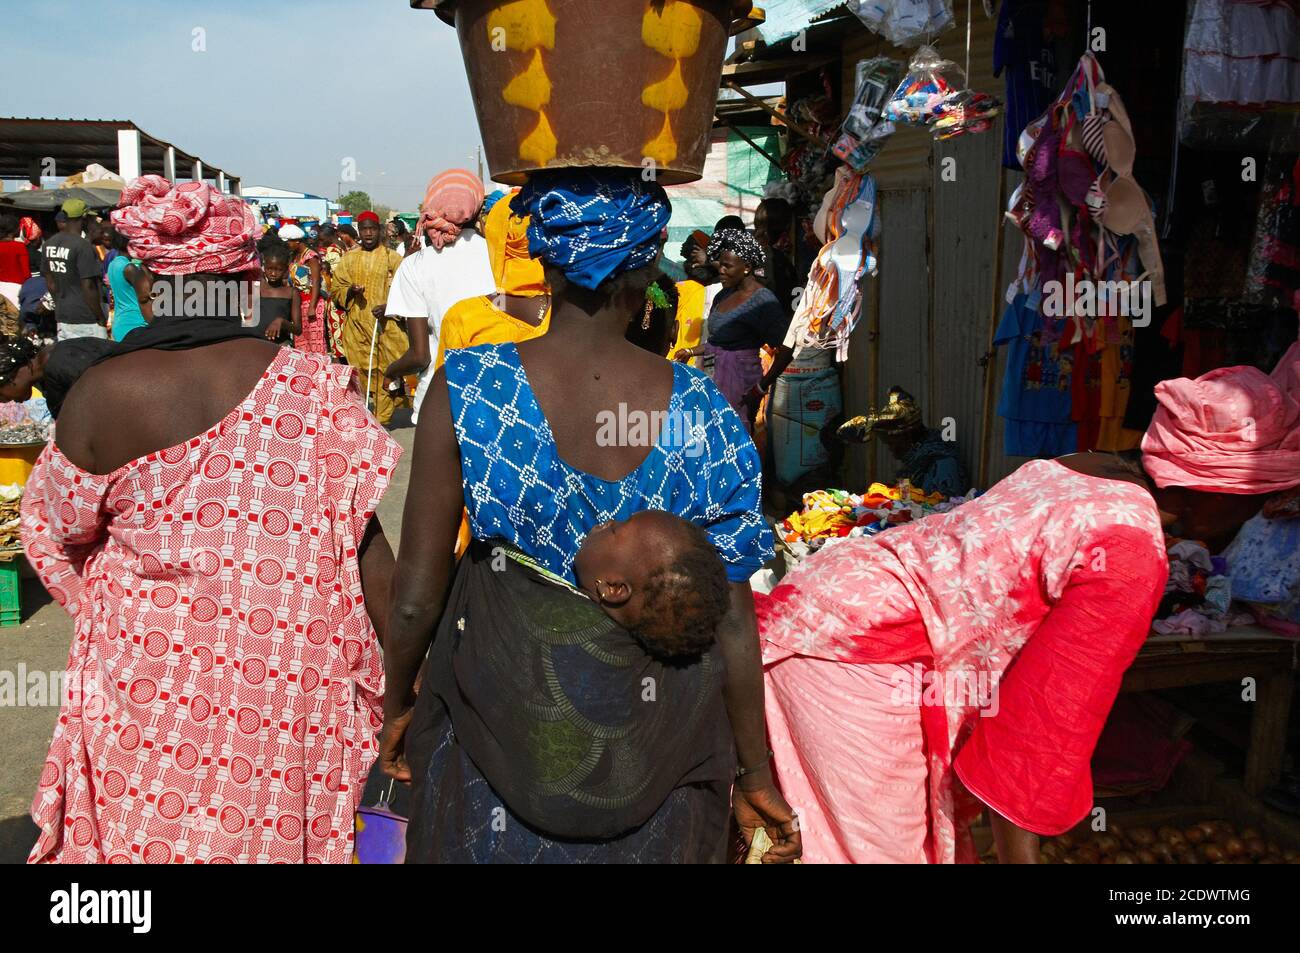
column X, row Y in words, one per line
column 431, row 280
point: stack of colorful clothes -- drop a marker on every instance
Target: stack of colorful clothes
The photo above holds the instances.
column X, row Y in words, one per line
column 1198, row 594
column 832, row 515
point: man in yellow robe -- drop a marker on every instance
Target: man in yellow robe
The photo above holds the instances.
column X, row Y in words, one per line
column 370, row 340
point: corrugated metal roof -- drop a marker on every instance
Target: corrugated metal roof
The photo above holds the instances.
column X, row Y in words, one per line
column 75, row 143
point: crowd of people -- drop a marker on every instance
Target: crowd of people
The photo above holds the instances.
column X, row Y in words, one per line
column 565, row 659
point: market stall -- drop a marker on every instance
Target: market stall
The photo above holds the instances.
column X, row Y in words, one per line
column 1015, row 226
column 25, row 429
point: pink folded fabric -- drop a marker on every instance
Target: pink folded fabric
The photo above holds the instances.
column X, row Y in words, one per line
column 451, row 200
column 186, row 228
column 1233, row 430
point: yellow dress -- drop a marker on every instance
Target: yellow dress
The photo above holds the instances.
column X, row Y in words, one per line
column 478, row 320
column 373, row 270
column 690, row 317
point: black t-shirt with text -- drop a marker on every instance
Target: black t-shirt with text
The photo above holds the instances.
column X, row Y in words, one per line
column 68, row 260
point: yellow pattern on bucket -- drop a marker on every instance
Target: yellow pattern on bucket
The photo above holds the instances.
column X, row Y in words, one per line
column 667, row 95
column 528, row 26
column 674, row 31
column 531, row 89
column 539, row 145
column 663, row 147
column 523, row 24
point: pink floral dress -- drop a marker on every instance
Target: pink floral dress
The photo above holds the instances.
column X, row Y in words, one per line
column 985, row 644
column 224, row 681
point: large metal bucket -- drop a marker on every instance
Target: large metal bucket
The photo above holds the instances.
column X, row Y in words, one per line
column 563, row 83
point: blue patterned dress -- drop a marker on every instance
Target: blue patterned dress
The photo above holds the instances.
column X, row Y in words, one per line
column 703, row 467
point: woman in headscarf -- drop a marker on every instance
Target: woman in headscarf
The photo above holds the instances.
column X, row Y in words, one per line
column 745, row 318
column 453, row 266
column 222, row 568
column 970, row 660
column 533, row 739
column 304, row 276
column 520, row 307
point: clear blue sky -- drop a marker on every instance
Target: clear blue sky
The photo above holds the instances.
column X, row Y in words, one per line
column 286, row 90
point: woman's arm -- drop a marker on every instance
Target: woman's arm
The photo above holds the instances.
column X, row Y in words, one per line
column 314, row 268
column 295, row 312
column 755, row 799
column 375, row 561
column 779, row 363
column 425, row 561
column 416, row 357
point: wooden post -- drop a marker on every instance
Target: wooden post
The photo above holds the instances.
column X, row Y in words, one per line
column 873, row 340
column 990, row 354
column 1268, row 730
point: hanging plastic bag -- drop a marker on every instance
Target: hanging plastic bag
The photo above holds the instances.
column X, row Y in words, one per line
column 865, row 131
column 930, row 79
column 903, row 22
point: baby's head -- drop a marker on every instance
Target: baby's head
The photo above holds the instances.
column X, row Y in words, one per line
column 659, row 577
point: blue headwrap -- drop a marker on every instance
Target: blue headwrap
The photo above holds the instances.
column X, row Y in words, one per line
column 593, row 224
column 492, row 200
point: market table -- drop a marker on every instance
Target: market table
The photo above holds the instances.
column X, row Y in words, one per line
column 1178, row 661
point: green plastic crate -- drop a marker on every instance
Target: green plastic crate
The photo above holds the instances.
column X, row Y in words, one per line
column 11, row 594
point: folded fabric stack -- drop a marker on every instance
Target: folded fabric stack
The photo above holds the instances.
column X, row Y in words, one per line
column 1198, row 595
column 829, row 515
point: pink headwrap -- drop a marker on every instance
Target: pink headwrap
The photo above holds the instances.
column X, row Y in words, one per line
column 451, row 200
column 186, row 228
column 1233, row 430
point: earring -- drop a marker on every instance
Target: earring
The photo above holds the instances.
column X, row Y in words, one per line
column 645, row 320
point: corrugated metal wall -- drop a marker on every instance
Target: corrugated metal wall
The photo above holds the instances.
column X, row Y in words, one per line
column 934, row 303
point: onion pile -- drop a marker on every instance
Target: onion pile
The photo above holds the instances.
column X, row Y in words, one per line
column 1205, row 842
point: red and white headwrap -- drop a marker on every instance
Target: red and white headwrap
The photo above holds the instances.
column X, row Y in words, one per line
column 1233, row 430
column 451, row 200
column 186, row 228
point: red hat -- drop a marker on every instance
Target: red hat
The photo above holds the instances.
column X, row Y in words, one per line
column 367, row 216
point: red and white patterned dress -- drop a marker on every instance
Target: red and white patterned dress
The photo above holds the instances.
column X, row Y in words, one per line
column 224, row 681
